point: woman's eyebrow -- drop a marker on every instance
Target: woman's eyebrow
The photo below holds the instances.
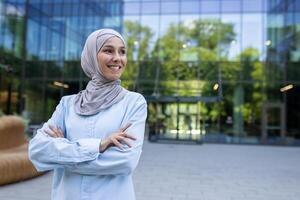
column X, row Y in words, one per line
column 110, row 46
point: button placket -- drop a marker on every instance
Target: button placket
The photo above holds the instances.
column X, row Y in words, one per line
column 90, row 127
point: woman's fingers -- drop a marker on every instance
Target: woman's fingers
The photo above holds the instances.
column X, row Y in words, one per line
column 129, row 136
column 61, row 134
column 125, row 127
column 126, row 141
column 55, row 132
column 117, row 143
column 50, row 133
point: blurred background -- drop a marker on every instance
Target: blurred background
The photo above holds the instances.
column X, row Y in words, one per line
column 222, row 71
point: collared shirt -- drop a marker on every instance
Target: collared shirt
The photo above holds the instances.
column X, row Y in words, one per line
column 80, row 171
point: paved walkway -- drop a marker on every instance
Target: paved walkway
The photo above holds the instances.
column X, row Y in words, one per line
column 199, row 172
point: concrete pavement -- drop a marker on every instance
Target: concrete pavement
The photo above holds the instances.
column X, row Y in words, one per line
column 199, row 172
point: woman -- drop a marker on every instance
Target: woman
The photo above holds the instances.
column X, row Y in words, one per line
column 94, row 139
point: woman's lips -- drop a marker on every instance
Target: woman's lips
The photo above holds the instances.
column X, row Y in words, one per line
column 114, row 68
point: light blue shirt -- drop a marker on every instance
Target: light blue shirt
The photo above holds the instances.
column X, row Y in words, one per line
column 80, row 171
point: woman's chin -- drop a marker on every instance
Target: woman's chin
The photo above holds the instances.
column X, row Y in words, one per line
column 113, row 77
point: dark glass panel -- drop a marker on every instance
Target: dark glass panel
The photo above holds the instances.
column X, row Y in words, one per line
column 293, row 72
column 72, row 70
column 34, row 69
column 34, row 101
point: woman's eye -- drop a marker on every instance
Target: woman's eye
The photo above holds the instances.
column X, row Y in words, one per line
column 123, row 52
column 107, row 50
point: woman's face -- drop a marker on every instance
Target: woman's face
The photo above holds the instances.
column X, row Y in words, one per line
column 112, row 58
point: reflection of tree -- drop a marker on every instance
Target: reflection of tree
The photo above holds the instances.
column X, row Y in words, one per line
column 15, row 25
column 137, row 38
column 184, row 50
column 252, row 71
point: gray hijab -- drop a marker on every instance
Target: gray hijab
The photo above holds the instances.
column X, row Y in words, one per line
column 99, row 93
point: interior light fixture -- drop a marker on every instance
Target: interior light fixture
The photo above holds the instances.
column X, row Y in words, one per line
column 286, row 88
column 268, row 42
column 59, row 84
column 216, row 86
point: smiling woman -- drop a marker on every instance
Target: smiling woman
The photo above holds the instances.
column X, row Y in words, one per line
column 94, row 139
column 112, row 58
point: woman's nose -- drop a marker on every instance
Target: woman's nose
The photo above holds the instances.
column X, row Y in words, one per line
column 116, row 57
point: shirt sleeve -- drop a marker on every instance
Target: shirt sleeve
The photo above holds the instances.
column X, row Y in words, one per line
column 47, row 153
column 115, row 161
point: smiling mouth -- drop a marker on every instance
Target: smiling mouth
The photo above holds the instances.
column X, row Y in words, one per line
column 114, row 68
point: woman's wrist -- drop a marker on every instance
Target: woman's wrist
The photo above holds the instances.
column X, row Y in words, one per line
column 103, row 145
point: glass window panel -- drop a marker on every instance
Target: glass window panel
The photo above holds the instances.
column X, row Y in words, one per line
column 253, row 6
column 297, row 6
column 293, row 71
column 249, row 40
column 57, row 9
column 129, row 77
column 188, row 42
column 67, row 9
column 33, row 37
column 131, row 33
column 167, row 21
column 52, row 98
column 190, row 7
column 150, row 8
column 210, row 6
column 169, row 7
column 131, row 8
column 55, row 49
column 230, row 6
column 1, row 30
column 231, row 38
column 111, row 22
column 34, row 101
column 72, row 70
column 274, row 73
column 34, row 69
column 169, row 38
column 208, row 40
column 130, row 18
column 53, row 70
column 152, row 23
column 44, row 42
column 295, row 52
column 71, row 87
column 275, row 37
column 72, row 49
column 8, row 30
column 230, row 71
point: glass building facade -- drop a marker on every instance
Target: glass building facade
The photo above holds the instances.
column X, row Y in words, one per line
column 211, row 70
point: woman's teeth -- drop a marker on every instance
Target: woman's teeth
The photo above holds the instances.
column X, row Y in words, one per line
column 115, row 67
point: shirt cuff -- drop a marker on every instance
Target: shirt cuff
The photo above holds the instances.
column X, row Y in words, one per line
column 91, row 144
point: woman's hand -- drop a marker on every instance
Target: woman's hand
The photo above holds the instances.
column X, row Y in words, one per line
column 55, row 132
column 116, row 139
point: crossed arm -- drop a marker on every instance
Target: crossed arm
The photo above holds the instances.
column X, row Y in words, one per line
column 117, row 154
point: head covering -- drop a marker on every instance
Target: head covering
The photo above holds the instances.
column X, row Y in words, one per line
column 100, row 93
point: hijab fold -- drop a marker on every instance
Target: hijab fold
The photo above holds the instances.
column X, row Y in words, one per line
column 100, row 93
